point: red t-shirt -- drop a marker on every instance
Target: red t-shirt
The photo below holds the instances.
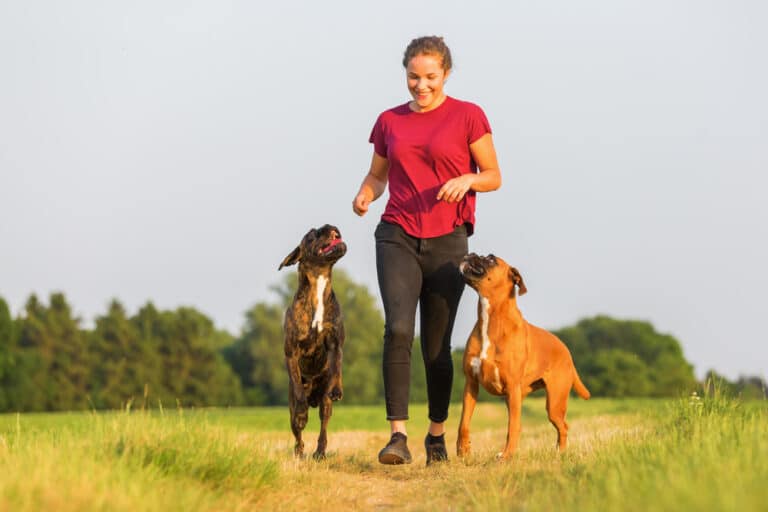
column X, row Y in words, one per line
column 424, row 151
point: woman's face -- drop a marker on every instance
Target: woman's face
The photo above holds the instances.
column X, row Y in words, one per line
column 426, row 78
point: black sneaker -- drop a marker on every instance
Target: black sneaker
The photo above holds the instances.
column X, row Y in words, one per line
column 396, row 451
column 435, row 447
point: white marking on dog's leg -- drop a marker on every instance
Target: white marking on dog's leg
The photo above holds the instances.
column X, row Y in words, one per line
column 484, row 313
column 317, row 320
column 475, row 364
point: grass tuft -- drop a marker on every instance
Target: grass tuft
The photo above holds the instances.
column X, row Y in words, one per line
column 190, row 449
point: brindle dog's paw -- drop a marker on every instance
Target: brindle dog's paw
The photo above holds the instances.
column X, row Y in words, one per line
column 335, row 393
column 300, row 420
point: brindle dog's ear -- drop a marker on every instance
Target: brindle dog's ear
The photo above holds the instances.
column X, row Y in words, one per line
column 292, row 258
column 517, row 280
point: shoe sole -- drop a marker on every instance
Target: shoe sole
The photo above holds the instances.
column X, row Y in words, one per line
column 393, row 459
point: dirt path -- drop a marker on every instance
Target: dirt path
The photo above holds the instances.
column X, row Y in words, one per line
column 352, row 479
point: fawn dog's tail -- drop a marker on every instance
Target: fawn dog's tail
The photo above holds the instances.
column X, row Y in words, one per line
column 579, row 386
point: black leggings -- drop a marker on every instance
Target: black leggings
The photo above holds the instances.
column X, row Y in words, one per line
column 424, row 272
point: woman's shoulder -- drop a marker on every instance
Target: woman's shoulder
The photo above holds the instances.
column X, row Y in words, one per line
column 390, row 116
column 465, row 105
column 398, row 110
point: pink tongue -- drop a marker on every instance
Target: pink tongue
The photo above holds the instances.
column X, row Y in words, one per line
column 333, row 243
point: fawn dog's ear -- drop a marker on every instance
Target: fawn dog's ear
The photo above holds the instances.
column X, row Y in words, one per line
column 292, row 258
column 517, row 280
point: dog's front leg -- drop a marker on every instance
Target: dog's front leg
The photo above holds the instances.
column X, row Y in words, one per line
column 325, row 409
column 514, row 408
column 294, row 377
column 335, row 354
column 467, row 408
column 335, row 389
column 297, row 403
column 298, row 420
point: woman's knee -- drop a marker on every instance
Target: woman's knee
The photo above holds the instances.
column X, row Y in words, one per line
column 440, row 362
column 399, row 333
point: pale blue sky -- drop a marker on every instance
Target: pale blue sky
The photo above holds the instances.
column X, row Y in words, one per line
column 176, row 151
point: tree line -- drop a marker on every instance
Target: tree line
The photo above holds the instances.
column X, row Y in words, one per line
column 155, row 358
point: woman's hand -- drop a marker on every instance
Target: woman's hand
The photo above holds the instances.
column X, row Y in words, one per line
column 373, row 185
column 361, row 202
column 454, row 189
column 488, row 178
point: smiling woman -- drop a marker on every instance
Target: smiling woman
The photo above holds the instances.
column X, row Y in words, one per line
column 435, row 153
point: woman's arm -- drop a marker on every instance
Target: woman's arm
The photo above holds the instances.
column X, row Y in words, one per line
column 487, row 179
column 373, row 184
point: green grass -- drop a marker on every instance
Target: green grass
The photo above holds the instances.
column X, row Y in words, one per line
column 121, row 461
column 696, row 453
column 701, row 453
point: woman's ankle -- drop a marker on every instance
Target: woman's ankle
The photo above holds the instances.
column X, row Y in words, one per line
column 436, row 429
column 398, row 426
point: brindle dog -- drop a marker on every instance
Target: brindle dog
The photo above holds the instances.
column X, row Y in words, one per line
column 314, row 334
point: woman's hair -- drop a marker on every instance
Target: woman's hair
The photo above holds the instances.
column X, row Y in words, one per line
column 428, row 45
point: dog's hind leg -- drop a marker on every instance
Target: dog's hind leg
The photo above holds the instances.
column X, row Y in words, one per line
column 557, row 404
column 325, row 409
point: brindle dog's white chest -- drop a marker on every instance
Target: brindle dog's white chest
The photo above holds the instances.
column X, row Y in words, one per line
column 317, row 319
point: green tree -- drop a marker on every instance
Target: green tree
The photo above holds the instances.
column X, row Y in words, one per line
column 750, row 388
column 191, row 368
column 7, row 334
column 7, row 360
column 126, row 367
column 627, row 358
column 53, row 356
column 617, row 373
column 17, row 389
column 257, row 356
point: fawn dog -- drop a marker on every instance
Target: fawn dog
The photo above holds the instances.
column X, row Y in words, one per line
column 509, row 356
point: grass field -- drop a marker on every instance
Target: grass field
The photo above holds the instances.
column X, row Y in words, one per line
column 708, row 453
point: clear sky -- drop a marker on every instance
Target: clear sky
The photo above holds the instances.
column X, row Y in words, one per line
column 176, row 151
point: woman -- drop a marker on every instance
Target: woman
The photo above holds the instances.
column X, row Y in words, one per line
column 435, row 152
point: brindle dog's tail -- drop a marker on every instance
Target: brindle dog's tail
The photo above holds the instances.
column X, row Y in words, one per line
column 579, row 386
